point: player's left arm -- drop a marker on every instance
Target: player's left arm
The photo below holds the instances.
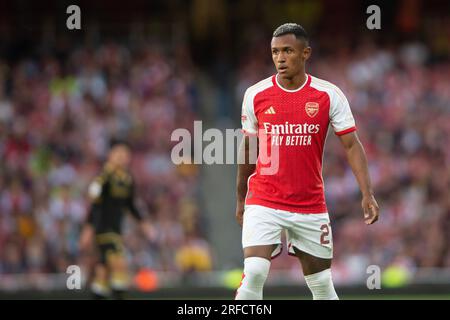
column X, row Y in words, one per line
column 131, row 204
column 357, row 159
column 145, row 225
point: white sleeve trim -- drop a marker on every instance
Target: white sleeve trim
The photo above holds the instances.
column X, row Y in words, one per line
column 95, row 189
column 248, row 117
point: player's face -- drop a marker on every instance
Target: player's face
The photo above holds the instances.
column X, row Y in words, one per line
column 120, row 156
column 289, row 55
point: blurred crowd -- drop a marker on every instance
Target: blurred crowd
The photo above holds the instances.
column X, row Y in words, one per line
column 57, row 117
column 402, row 108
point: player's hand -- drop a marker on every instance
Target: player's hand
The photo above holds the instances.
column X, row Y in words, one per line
column 240, row 212
column 370, row 209
column 86, row 237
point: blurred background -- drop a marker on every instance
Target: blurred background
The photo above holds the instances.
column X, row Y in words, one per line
column 140, row 69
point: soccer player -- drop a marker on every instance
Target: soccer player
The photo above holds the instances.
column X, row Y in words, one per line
column 289, row 113
column 112, row 194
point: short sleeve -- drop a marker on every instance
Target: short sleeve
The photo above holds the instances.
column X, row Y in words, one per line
column 96, row 188
column 341, row 116
column 248, row 118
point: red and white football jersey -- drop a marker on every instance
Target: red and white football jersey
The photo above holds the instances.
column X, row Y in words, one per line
column 292, row 124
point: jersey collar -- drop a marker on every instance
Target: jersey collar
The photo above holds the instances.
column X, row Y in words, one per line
column 293, row 90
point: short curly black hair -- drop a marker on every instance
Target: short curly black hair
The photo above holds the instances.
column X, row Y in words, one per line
column 292, row 28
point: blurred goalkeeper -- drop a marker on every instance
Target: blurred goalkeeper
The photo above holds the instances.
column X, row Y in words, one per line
column 112, row 194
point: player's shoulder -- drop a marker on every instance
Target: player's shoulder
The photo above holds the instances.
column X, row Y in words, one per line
column 105, row 173
column 333, row 91
column 323, row 85
column 107, row 169
column 96, row 186
column 260, row 86
column 330, row 88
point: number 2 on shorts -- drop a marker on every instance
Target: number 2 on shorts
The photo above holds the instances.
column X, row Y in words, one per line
column 325, row 233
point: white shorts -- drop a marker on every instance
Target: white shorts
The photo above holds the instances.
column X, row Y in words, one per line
column 310, row 233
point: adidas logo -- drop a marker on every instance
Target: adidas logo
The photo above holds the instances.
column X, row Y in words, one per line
column 271, row 110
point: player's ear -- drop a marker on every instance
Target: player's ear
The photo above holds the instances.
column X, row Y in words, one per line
column 306, row 52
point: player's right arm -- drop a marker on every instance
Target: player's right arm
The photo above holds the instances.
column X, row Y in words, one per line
column 246, row 153
column 95, row 192
column 245, row 169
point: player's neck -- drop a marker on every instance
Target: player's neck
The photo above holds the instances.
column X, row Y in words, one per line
column 292, row 83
